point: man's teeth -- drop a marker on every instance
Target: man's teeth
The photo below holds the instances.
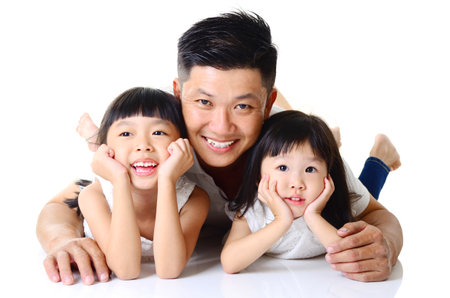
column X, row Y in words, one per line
column 144, row 164
column 219, row 144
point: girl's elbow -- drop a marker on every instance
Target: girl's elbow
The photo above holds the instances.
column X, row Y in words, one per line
column 125, row 270
column 230, row 269
column 169, row 273
column 127, row 273
column 229, row 266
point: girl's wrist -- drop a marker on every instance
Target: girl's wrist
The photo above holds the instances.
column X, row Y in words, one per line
column 310, row 216
column 121, row 178
column 165, row 182
column 283, row 222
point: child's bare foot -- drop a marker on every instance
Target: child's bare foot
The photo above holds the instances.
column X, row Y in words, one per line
column 88, row 131
column 337, row 135
column 385, row 150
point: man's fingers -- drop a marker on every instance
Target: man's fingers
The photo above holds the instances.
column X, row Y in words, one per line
column 367, row 276
column 351, row 228
column 354, row 240
column 98, row 259
column 51, row 268
column 378, row 264
column 65, row 271
column 83, row 262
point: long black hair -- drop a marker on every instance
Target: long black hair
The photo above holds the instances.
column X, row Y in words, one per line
column 283, row 132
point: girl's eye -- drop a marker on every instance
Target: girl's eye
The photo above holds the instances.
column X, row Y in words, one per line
column 159, row 133
column 310, row 170
column 125, row 134
column 283, row 168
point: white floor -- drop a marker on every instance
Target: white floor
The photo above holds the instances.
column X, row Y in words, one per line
column 204, row 277
column 366, row 66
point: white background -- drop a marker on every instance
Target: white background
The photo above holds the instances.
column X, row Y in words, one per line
column 367, row 66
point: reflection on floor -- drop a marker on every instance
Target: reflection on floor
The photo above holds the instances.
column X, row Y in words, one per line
column 267, row 277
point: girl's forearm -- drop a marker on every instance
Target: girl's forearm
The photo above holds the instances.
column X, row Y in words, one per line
column 123, row 252
column 240, row 253
column 169, row 245
column 323, row 230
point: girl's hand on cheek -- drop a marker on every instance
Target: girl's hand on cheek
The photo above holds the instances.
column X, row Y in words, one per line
column 104, row 164
column 267, row 193
column 320, row 202
column 180, row 160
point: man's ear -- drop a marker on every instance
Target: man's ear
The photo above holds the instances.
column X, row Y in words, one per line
column 270, row 100
column 177, row 88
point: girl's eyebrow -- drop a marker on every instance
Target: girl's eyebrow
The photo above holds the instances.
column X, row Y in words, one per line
column 155, row 121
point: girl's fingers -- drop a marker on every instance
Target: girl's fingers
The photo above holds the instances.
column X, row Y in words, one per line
column 263, row 187
column 329, row 185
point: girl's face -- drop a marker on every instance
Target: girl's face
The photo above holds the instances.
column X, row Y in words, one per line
column 140, row 144
column 299, row 174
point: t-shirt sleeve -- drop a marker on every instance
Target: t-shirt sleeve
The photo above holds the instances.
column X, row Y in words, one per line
column 361, row 201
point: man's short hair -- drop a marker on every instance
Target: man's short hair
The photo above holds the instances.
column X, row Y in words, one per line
column 229, row 41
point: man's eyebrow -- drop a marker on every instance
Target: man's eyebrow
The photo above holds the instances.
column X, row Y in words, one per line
column 239, row 97
column 202, row 91
column 247, row 96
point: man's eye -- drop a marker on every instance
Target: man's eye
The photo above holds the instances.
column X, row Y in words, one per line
column 205, row 102
column 310, row 170
column 243, row 106
column 125, row 134
column 283, row 168
column 159, row 133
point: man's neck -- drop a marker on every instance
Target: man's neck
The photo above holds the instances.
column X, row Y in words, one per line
column 228, row 178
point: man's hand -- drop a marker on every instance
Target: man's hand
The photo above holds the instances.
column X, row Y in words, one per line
column 85, row 254
column 363, row 254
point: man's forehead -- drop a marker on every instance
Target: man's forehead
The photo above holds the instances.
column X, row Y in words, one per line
column 238, row 83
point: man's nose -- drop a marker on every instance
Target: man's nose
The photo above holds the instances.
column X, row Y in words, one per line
column 221, row 122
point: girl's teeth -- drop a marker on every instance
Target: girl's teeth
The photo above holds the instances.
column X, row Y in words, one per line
column 144, row 164
column 219, row 144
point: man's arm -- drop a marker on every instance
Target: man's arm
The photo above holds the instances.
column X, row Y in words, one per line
column 60, row 232
column 370, row 247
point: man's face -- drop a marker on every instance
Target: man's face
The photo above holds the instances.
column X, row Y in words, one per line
column 224, row 111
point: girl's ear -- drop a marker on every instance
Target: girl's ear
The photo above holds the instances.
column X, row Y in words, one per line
column 177, row 88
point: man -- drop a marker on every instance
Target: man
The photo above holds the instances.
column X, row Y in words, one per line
column 226, row 74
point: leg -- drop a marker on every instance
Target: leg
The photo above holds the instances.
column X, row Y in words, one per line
column 337, row 135
column 383, row 159
column 88, row 131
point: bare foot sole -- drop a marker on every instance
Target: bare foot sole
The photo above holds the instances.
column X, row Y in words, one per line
column 385, row 150
column 337, row 135
column 88, row 131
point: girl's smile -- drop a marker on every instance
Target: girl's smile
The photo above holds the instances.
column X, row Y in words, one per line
column 299, row 174
column 140, row 144
column 144, row 167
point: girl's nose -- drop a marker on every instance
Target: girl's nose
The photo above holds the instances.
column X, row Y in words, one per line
column 297, row 182
column 144, row 145
column 146, row 148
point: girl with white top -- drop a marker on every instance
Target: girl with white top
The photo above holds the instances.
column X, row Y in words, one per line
column 141, row 201
column 294, row 194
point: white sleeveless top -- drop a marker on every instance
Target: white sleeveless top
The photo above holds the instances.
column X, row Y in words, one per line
column 299, row 242
column 184, row 188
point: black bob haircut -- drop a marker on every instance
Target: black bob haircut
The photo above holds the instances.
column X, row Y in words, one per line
column 147, row 102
